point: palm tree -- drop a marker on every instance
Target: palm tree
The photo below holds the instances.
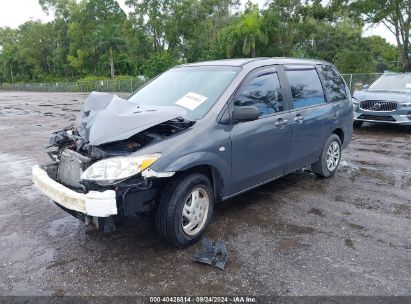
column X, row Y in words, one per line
column 108, row 39
column 247, row 30
column 250, row 29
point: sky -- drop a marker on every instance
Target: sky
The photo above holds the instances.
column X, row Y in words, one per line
column 15, row 12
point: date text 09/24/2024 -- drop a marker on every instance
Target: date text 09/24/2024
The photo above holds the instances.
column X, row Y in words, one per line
column 203, row 299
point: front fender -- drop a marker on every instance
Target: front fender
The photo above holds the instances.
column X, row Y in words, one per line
column 217, row 163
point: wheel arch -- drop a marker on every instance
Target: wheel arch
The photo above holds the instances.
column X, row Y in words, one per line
column 216, row 168
column 213, row 174
column 340, row 133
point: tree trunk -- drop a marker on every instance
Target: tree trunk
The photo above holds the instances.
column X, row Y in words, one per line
column 402, row 32
column 111, row 63
column 253, row 51
column 11, row 72
column 406, row 60
column 406, row 55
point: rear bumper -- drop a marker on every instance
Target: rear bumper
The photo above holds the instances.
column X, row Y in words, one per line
column 93, row 203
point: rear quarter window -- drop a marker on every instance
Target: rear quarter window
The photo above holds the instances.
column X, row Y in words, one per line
column 333, row 82
column 306, row 88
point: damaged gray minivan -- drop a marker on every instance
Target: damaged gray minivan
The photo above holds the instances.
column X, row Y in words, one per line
column 194, row 136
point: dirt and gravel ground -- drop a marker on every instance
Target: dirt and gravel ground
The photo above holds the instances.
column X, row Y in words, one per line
column 300, row 235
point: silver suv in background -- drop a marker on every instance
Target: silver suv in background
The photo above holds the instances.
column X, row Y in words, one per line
column 387, row 100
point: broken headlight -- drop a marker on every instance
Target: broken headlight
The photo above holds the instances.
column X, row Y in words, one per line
column 115, row 169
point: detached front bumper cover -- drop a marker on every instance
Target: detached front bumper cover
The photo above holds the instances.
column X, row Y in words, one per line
column 93, row 203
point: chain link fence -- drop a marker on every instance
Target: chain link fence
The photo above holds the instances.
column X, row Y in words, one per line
column 357, row 81
column 354, row 82
column 120, row 85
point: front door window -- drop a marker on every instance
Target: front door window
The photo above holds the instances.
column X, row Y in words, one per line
column 263, row 92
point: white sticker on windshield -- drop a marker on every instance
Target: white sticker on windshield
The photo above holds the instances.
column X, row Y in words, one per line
column 408, row 86
column 191, row 100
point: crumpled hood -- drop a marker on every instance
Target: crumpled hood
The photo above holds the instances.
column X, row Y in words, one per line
column 399, row 96
column 106, row 118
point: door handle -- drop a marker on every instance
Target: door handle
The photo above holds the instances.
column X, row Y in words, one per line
column 281, row 123
column 298, row 119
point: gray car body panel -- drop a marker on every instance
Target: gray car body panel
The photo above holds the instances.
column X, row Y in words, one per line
column 209, row 142
column 107, row 118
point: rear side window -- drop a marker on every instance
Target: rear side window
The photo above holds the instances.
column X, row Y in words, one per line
column 306, row 88
column 334, row 84
column 263, row 92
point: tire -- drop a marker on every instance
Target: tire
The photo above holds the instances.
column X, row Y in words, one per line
column 320, row 167
column 178, row 197
column 357, row 123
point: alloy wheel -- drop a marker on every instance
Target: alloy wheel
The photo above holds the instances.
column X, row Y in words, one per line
column 333, row 156
column 195, row 211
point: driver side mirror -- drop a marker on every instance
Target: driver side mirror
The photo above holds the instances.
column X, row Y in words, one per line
column 245, row 113
column 365, row 86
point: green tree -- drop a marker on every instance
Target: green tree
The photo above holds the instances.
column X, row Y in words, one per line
column 281, row 21
column 65, row 12
column 107, row 37
column 357, row 60
column 196, row 25
column 158, row 63
column 136, row 50
column 28, row 52
column 62, row 9
column 152, row 17
column 395, row 15
column 95, row 36
column 385, row 54
column 36, row 44
column 8, row 50
column 247, row 31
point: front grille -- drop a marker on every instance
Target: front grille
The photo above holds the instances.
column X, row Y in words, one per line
column 378, row 106
column 72, row 165
column 377, row 118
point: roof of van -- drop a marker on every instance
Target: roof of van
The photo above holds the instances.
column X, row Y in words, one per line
column 262, row 60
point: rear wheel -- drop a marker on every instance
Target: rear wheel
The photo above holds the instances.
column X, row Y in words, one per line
column 358, row 123
column 185, row 209
column 330, row 158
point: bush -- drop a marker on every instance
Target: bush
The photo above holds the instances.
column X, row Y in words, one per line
column 92, row 78
column 159, row 63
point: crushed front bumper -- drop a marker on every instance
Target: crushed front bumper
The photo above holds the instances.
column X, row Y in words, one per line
column 93, row 203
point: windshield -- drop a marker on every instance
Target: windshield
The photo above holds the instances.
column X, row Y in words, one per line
column 392, row 82
column 195, row 89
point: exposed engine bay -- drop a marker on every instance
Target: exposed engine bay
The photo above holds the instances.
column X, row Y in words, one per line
column 108, row 126
column 69, row 138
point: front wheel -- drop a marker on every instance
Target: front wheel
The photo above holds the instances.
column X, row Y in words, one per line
column 185, row 209
column 330, row 158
